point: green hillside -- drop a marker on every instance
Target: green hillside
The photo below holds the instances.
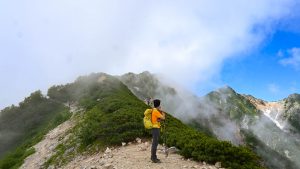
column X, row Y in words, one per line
column 233, row 104
column 25, row 125
column 114, row 115
column 222, row 113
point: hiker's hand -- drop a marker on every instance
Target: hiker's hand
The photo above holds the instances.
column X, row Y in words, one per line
column 163, row 114
column 159, row 108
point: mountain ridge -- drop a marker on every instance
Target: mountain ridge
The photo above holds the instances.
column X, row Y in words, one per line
column 224, row 114
column 108, row 107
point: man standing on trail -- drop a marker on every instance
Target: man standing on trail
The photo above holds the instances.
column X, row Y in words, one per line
column 157, row 116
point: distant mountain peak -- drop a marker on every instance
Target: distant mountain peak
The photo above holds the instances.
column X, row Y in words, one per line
column 294, row 96
column 147, row 73
column 226, row 90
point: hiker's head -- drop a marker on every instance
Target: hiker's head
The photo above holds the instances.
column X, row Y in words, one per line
column 156, row 103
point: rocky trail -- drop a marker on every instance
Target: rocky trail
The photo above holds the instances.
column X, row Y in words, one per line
column 45, row 149
column 135, row 156
column 129, row 156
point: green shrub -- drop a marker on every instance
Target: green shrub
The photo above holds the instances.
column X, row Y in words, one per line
column 117, row 118
column 114, row 115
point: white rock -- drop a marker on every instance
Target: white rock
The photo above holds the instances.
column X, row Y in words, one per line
column 107, row 151
column 138, row 140
column 123, row 144
column 172, row 150
column 160, row 151
column 218, row 165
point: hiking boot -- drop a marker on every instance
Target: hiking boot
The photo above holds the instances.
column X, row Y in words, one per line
column 156, row 160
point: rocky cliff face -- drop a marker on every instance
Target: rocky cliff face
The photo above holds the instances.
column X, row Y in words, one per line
column 283, row 113
column 292, row 112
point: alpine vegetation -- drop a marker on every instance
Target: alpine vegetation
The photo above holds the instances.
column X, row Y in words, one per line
column 111, row 114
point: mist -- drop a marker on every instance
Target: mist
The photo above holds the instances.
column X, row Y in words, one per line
column 52, row 42
column 284, row 143
column 188, row 107
column 215, row 115
column 7, row 138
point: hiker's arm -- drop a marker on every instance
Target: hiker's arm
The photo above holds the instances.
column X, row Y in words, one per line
column 163, row 115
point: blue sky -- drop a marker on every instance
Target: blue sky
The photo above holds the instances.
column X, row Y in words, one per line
column 201, row 45
column 261, row 73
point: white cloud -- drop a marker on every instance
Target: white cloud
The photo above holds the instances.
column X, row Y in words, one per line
column 280, row 53
column 54, row 41
column 293, row 59
column 273, row 88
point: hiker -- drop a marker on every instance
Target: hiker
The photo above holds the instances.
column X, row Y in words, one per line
column 157, row 116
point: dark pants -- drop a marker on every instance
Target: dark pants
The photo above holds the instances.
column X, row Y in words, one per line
column 155, row 136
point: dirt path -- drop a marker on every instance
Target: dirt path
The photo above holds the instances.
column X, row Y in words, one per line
column 134, row 156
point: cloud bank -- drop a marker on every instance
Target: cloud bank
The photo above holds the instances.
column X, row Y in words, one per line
column 293, row 58
column 50, row 42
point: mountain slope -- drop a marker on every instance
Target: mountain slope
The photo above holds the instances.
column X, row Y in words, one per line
column 24, row 125
column 256, row 128
column 112, row 114
column 45, row 148
column 227, row 115
column 292, row 111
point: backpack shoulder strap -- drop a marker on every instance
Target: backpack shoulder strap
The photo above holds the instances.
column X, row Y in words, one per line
column 152, row 115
